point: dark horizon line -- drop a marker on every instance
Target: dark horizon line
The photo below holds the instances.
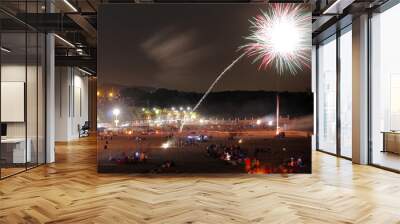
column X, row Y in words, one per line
column 198, row 92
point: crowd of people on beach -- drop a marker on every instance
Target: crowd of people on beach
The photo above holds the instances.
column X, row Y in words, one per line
column 134, row 157
column 235, row 155
column 259, row 160
column 231, row 154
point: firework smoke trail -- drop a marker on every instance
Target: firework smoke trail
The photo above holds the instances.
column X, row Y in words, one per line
column 212, row 86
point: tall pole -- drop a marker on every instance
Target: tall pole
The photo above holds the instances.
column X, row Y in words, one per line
column 277, row 113
column 116, row 120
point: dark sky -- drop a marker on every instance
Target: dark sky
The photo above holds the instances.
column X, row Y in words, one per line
column 184, row 47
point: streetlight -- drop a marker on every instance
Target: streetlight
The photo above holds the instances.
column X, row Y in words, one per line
column 258, row 122
column 116, row 112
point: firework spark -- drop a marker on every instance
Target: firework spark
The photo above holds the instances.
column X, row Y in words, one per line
column 280, row 37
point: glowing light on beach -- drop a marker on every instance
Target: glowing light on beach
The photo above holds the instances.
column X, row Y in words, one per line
column 116, row 111
column 165, row 145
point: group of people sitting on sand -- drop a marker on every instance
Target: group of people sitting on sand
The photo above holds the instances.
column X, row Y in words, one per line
column 133, row 158
column 166, row 167
column 290, row 165
column 235, row 155
column 231, row 154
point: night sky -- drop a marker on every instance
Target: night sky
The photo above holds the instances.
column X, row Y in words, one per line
column 183, row 47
